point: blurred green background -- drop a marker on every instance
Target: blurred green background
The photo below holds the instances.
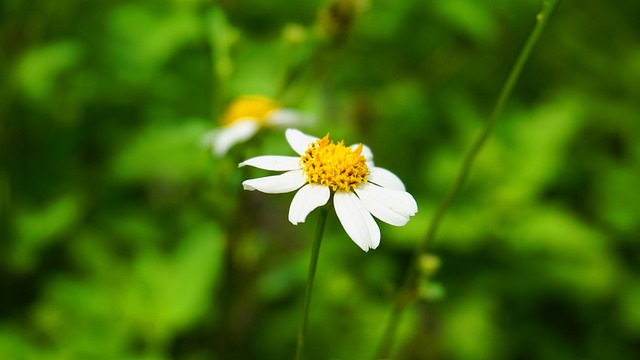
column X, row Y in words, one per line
column 121, row 237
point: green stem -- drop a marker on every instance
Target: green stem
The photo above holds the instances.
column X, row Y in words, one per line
column 315, row 251
column 411, row 279
column 542, row 18
column 390, row 330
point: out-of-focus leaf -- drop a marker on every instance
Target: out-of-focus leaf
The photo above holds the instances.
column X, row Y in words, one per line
column 470, row 331
column 177, row 290
column 568, row 251
column 468, row 16
column 186, row 294
column 629, row 312
column 618, row 198
column 263, row 77
column 170, row 152
column 37, row 228
column 14, row 346
column 143, row 39
column 534, row 156
column 40, row 68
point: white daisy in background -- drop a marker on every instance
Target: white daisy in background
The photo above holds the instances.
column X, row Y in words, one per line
column 244, row 117
column 323, row 168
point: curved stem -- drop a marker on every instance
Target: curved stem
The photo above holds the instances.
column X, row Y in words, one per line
column 548, row 7
column 315, row 251
column 542, row 18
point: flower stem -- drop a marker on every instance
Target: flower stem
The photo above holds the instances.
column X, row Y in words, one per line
column 315, row 251
column 390, row 330
column 411, row 279
column 542, row 18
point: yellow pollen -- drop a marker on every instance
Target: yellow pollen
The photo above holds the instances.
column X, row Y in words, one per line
column 334, row 165
column 250, row 106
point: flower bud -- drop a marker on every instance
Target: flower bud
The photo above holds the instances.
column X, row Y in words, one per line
column 428, row 264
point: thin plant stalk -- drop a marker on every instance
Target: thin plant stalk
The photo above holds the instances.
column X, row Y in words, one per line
column 411, row 280
column 548, row 7
column 315, row 251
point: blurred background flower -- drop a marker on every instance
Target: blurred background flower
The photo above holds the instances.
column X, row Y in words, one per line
column 245, row 116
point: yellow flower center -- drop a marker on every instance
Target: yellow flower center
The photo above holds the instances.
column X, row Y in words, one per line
column 257, row 107
column 334, row 165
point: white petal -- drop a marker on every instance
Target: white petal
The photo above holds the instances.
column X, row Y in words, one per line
column 299, row 141
column 366, row 152
column 356, row 220
column 273, row 163
column 306, row 200
column 288, row 117
column 385, row 178
column 394, row 207
column 223, row 139
column 276, row 184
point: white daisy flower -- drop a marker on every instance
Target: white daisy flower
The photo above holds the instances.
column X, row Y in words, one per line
column 244, row 117
column 323, row 168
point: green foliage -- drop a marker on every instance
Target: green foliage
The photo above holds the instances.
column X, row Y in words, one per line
column 121, row 237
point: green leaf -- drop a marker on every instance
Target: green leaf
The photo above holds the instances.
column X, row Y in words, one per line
column 40, row 227
column 39, row 69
